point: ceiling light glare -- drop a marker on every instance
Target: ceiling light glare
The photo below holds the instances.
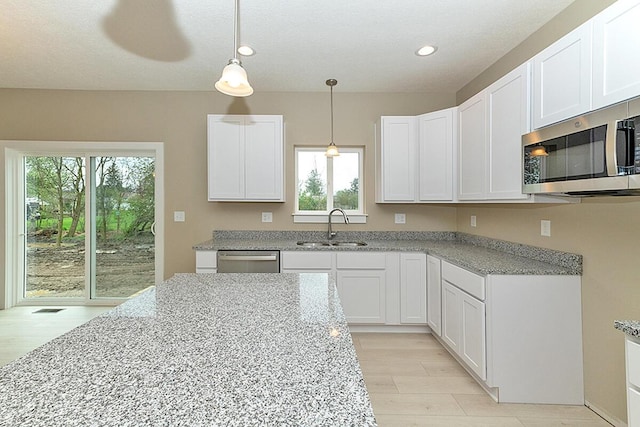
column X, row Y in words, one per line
column 246, row 51
column 426, row 50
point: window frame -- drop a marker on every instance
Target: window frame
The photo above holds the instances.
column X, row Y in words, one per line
column 355, row 216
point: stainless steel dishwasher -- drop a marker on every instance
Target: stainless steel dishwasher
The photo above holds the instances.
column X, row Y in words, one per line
column 248, row 261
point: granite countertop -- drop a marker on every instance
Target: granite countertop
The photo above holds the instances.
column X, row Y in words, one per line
column 199, row 350
column 481, row 255
column 629, row 327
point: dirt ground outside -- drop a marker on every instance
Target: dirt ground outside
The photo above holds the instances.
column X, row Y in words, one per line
column 123, row 268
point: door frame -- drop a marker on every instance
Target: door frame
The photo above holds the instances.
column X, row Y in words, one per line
column 13, row 241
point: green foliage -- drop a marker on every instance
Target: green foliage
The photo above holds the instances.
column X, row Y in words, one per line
column 314, row 195
column 125, row 192
column 347, row 199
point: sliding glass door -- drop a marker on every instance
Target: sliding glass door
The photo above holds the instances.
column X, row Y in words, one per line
column 88, row 226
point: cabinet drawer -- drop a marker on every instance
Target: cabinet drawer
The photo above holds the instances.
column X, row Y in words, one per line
column 307, row 260
column 206, row 259
column 360, row 260
column 633, row 363
column 469, row 282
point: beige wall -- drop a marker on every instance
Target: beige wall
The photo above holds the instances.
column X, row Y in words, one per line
column 601, row 230
column 178, row 119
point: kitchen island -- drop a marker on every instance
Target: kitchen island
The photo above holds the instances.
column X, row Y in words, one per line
column 199, row 350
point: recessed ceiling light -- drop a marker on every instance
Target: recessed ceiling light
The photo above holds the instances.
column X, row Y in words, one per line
column 246, row 51
column 426, row 50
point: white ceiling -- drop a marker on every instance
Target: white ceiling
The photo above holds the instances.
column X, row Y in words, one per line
column 367, row 45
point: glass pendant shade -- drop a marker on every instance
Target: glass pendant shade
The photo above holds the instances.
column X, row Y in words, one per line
column 332, row 150
column 234, row 81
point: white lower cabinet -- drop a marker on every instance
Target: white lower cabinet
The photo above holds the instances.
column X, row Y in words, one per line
column 413, row 288
column 463, row 327
column 375, row 288
column 632, row 351
column 361, row 282
column 307, row 262
column 434, row 287
column 362, row 294
column 206, row 261
column 520, row 335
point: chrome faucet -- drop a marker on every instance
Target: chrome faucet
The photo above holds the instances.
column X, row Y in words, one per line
column 332, row 234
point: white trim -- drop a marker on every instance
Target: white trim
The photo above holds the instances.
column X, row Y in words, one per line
column 14, row 151
column 323, row 218
column 329, row 165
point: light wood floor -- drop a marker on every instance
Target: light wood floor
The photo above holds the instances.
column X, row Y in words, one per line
column 413, row 381
column 22, row 330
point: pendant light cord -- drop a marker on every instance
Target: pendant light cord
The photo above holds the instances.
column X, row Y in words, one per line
column 332, row 114
column 235, row 31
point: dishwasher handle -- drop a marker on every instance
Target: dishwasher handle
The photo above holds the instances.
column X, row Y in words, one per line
column 247, row 258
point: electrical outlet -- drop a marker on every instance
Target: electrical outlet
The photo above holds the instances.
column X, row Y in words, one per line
column 400, row 218
column 178, row 216
column 473, row 220
column 267, row 217
column 545, row 228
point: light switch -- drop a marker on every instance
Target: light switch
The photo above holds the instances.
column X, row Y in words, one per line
column 178, row 216
column 400, row 218
column 267, row 217
column 473, row 220
column 545, row 228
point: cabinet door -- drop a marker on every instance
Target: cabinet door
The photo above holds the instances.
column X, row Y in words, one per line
column 473, row 336
column 398, row 153
column 508, row 119
column 434, row 300
column 633, row 407
column 362, row 294
column 472, row 137
column 413, row 288
column 435, row 155
column 263, row 158
column 451, row 315
column 562, row 78
column 225, row 143
column 616, row 65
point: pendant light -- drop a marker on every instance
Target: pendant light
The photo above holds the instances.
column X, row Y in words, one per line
column 332, row 149
column 234, row 80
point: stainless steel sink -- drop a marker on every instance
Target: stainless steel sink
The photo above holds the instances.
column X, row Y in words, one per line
column 313, row 244
column 348, row 244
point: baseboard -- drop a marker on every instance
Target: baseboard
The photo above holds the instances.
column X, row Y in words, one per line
column 402, row 329
column 604, row 415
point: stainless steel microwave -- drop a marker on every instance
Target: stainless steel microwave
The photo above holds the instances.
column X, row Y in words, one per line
column 596, row 154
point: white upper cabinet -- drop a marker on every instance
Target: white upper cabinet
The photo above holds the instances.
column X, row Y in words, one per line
column 491, row 125
column 562, row 78
column 415, row 158
column 436, row 136
column 616, row 64
column 245, row 158
column 398, row 159
column 508, row 118
column 471, row 138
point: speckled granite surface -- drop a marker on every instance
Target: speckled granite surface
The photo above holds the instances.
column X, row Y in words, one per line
column 629, row 327
column 478, row 254
column 199, row 350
